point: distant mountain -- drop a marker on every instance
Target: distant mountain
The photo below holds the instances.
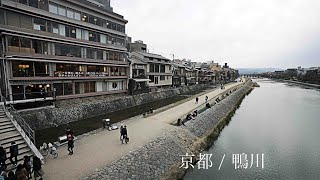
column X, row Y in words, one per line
column 257, row 70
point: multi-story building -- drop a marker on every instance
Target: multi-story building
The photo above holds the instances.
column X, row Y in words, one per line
column 152, row 69
column 72, row 48
column 179, row 73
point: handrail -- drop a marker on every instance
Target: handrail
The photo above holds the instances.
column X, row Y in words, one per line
column 18, row 119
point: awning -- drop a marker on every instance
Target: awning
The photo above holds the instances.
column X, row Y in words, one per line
column 142, row 80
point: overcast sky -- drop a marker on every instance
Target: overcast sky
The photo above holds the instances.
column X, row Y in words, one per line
column 244, row 33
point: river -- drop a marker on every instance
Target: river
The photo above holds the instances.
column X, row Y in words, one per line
column 279, row 120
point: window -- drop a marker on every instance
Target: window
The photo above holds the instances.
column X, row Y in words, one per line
column 108, row 24
column 22, row 68
column 67, row 50
column 84, row 17
column 114, row 71
column 13, row 44
column 156, row 69
column 113, row 26
column 25, row 45
column 77, row 15
column 98, row 22
column 162, row 78
column 91, row 53
column 78, row 33
column 151, row 67
column 92, row 36
column 33, row 3
column 36, row 46
column 53, row 8
column 114, row 85
column 162, row 69
column 55, row 28
column 70, row 13
column 13, row 19
column 39, row 24
column 1, row 15
column 41, row 69
column 23, row 1
column 62, row 10
column 103, row 38
column 151, row 78
column 99, row 54
column 62, row 30
column 43, row 4
column 85, row 34
column 70, row 31
column 91, row 19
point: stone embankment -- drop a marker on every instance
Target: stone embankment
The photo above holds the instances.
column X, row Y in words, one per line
column 160, row 159
column 74, row 110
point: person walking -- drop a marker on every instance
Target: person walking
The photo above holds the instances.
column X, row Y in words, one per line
column 70, row 139
column 21, row 173
column 197, row 100
column 124, row 134
column 27, row 165
column 3, row 157
column 70, row 144
column 11, row 176
column 121, row 127
column 14, row 153
column 206, row 98
column 37, row 169
column 3, row 173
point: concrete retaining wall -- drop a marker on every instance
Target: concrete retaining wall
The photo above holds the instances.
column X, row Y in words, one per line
column 160, row 159
column 74, row 110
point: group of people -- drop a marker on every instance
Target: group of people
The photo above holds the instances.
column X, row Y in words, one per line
column 23, row 171
column 192, row 115
column 124, row 134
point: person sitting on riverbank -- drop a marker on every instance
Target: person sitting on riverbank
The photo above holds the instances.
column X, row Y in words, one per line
column 195, row 113
column 208, row 105
column 189, row 117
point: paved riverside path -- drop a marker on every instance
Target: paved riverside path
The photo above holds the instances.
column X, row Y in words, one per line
column 96, row 151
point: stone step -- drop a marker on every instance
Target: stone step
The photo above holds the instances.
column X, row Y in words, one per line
column 4, row 123
column 8, row 135
column 3, row 116
column 7, row 126
column 16, row 138
column 2, row 131
column 19, row 142
column 22, row 148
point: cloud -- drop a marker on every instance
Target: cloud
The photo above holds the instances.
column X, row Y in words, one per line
column 246, row 33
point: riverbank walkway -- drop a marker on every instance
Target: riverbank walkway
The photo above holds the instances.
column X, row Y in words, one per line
column 97, row 150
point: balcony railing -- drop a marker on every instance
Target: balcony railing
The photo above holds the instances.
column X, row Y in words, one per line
column 87, row 74
column 139, row 76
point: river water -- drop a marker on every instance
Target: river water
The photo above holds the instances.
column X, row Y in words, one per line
column 279, row 120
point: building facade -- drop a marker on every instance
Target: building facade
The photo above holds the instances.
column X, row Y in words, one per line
column 62, row 48
column 153, row 71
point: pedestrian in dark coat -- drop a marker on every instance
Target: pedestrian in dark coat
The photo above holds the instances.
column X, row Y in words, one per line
column 3, row 157
column 14, row 153
column 27, row 165
column 21, row 173
column 37, row 169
